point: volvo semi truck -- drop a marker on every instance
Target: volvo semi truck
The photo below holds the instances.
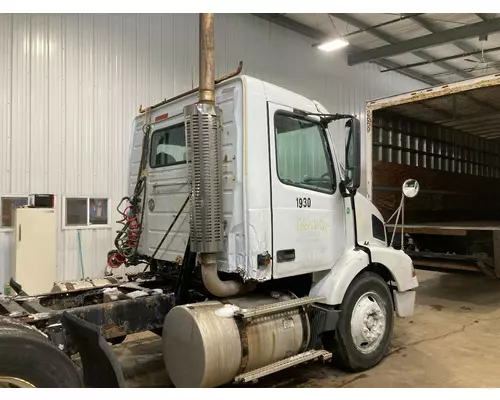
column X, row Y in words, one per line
column 257, row 251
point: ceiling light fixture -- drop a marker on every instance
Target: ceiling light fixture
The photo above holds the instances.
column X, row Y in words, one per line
column 333, row 45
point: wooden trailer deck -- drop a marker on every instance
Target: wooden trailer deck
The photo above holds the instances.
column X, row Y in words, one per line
column 449, row 228
column 453, row 228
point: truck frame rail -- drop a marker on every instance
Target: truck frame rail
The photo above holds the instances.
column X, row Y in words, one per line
column 84, row 321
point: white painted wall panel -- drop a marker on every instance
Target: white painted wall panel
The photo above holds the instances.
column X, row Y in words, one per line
column 70, row 86
column 21, row 106
column 5, row 99
column 56, row 110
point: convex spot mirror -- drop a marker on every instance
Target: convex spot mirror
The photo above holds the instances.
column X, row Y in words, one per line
column 353, row 154
column 411, row 188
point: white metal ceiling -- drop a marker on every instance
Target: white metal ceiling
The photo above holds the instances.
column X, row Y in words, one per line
column 458, row 69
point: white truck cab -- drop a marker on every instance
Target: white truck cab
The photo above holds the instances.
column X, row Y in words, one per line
column 288, row 213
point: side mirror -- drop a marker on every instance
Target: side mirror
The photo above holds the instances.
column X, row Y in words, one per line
column 353, row 154
column 411, row 188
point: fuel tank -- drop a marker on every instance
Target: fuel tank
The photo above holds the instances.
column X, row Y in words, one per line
column 208, row 345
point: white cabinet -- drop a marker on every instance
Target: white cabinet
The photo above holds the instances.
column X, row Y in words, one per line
column 34, row 256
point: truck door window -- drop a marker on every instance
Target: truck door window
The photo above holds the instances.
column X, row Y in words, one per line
column 168, row 146
column 302, row 155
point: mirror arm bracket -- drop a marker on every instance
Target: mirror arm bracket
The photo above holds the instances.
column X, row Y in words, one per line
column 357, row 246
column 345, row 192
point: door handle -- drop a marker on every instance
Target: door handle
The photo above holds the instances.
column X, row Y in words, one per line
column 286, row 255
column 19, row 232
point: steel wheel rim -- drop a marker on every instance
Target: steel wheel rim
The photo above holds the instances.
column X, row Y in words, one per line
column 7, row 382
column 368, row 322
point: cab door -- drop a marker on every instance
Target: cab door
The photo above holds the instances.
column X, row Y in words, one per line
column 308, row 218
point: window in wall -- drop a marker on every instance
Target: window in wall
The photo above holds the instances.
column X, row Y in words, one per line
column 302, row 155
column 9, row 204
column 76, row 211
column 83, row 211
column 168, row 146
column 98, row 211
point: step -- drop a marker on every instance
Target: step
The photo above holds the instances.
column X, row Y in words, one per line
column 309, row 355
column 277, row 307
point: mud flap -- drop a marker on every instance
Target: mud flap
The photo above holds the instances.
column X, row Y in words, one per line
column 101, row 368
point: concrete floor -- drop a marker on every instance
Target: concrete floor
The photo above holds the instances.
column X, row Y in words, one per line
column 451, row 341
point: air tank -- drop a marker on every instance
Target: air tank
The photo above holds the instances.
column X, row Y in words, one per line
column 208, row 345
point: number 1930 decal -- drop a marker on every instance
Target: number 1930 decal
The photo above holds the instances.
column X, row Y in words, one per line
column 303, row 202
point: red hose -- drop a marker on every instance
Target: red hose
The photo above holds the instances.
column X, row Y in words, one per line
column 130, row 241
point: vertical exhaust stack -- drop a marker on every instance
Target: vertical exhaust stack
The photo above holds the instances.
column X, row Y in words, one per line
column 203, row 135
column 207, row 61
column 203, row 126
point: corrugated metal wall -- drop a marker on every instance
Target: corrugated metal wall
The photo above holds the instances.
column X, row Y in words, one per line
column 70, row 86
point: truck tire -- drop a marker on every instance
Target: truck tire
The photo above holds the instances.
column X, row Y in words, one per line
column 28, row 359
column 365, row 325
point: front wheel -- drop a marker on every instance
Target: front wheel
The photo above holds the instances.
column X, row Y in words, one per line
column 365, row 325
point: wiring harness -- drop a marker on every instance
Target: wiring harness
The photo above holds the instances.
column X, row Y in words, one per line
column 127, row 238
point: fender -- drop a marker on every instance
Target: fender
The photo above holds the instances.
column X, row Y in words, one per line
column 398, row 263
column 334, row 284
